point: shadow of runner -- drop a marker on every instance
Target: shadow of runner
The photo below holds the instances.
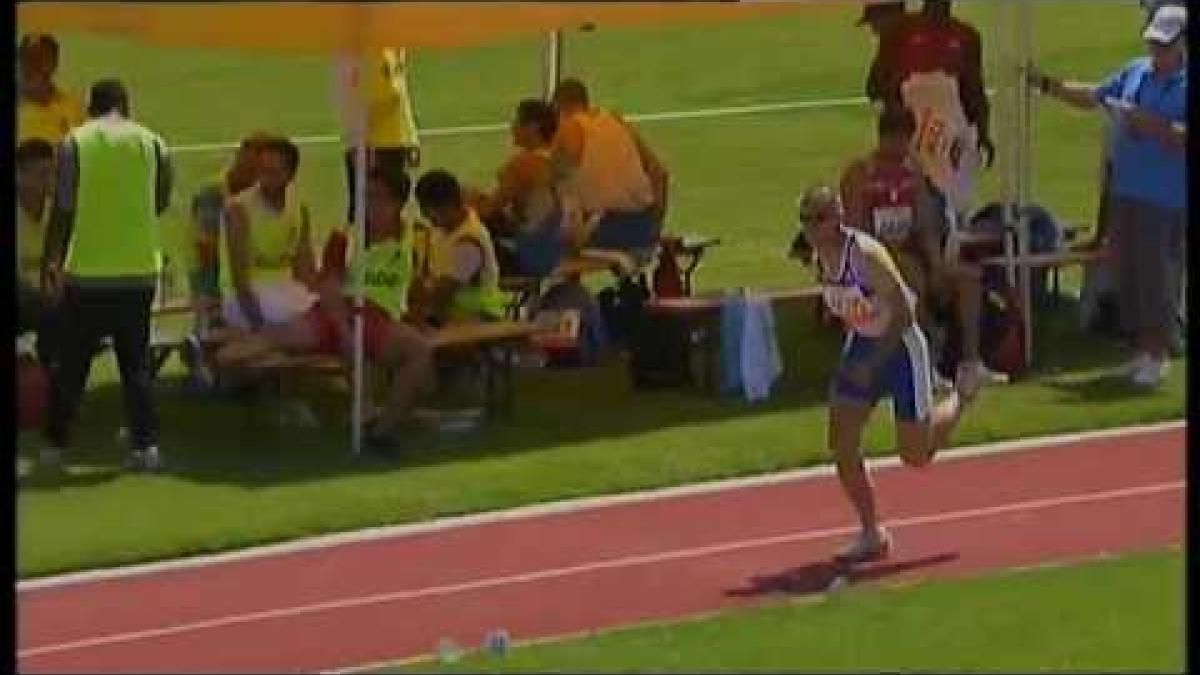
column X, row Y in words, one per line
column 816, row 577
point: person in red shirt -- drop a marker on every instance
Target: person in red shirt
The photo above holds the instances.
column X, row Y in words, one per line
column 930, row 40
column 885, row 197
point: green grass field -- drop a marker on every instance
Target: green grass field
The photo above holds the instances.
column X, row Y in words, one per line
column 237, row 480
column 1113, row 615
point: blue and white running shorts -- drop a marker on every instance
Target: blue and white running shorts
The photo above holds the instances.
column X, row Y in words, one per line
column 906, row 377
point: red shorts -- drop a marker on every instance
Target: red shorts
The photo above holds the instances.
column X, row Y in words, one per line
column 376, row 327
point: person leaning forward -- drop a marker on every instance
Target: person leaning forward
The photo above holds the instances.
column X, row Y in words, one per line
column 102, row 261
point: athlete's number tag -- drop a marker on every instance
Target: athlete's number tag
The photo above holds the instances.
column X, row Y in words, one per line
column 892, row 223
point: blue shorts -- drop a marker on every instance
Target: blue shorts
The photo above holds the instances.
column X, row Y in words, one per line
column 625, row 231
column 905, row 377
column 540, row 250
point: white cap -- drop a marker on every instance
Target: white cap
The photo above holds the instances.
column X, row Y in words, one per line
column 1169, row 22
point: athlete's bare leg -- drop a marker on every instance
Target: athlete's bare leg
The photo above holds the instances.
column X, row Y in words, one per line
column 920, row 440
column 846, row 422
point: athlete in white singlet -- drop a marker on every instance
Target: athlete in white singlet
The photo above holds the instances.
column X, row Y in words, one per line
column 885, row 355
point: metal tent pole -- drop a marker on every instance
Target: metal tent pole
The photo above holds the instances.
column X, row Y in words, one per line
column 351, row 68
column 552, row 63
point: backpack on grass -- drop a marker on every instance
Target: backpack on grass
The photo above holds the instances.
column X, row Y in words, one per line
column 1001, row 329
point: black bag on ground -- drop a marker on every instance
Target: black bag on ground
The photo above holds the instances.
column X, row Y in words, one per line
column 1001, row 330
column 659, row 354
column 658, row 344
column 621, row 307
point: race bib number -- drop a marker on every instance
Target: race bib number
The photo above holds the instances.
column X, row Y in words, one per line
column 892, row 223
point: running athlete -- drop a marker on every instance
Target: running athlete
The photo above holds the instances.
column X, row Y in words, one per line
column 885, row 354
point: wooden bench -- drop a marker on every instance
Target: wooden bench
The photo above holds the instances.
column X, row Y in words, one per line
column 701, row 317
column 525, row 291
column 1052, row 261
column 494, row 343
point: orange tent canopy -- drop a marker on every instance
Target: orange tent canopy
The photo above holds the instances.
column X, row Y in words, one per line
column 332, row 27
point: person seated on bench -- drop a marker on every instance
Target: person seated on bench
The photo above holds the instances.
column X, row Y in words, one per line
column 465, row 282
column 390, row 339
column 523, row 212
column 618, row 182
column 886, row 195
column 268, row 267
column 884, row 198
column 35, row 180
column 208, row 208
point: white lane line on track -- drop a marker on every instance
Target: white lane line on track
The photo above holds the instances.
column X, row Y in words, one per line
column 572, row 506
column 615, row 563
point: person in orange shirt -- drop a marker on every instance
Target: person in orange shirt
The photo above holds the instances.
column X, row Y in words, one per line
column 44, row 110
column 524, row 212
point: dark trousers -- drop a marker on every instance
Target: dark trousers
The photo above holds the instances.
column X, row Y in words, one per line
column 402, row 157
column 88, row 315
column 35, row 314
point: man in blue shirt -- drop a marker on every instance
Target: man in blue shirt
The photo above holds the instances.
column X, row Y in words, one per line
column 1148, row 194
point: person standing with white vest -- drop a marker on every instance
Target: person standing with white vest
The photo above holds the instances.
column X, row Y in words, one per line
column 103, row 258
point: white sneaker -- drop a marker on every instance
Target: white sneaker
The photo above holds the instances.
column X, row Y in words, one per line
column 941, row 385
column 1151, row 374
column 1136, row 364
column 866, row 546
column 969, row 377
column 147, row 459
column 49, row 460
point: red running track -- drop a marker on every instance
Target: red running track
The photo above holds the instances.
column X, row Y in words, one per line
column 368, row 601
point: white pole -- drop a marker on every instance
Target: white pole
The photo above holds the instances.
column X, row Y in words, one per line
column 355, row 114
column 551, row 63
column 1025, row 21
column 360, row 240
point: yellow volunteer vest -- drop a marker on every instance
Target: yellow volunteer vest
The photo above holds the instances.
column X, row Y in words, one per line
column 50, row 121
column 116, row 228
column 31, row 237
column 483, row 298
column 385, row 274
column 273, row 237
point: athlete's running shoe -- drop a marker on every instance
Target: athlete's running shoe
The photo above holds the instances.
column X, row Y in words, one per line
column 866, row 546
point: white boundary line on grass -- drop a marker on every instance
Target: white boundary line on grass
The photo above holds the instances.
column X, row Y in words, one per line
column 612, row 563
column 568, row 506
column 809, row 104
column 641, row 117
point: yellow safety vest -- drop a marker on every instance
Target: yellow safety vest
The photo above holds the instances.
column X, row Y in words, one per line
column 50, row 121
column 483, row 298
column 385, row 271
column 273, row 237
column 116, row 227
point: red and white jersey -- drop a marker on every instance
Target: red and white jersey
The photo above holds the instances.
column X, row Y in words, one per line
column 889, row 192
column 924, row 46
column 945, row 144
